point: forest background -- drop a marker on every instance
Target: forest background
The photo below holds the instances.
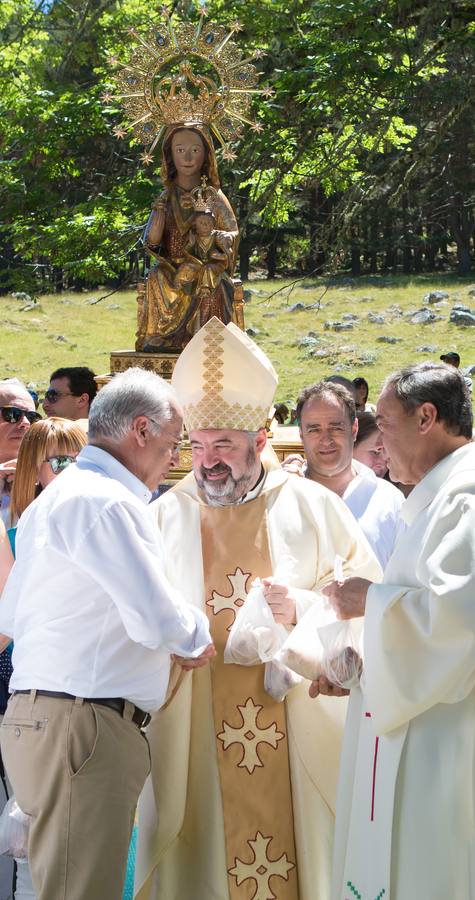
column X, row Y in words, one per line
column 364, row 163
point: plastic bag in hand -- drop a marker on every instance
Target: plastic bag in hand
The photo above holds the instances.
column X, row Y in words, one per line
column 342, row 663
column 279, row 680
column 321, row 644
column 303, row 651
column 14, row 828
column 255, row 636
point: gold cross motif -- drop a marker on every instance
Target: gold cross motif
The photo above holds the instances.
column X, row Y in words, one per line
column 238, row 583
column 250, row 735
column 262, row 868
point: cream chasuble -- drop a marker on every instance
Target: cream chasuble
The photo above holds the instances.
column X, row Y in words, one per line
column 184, row 850
column 251, row 727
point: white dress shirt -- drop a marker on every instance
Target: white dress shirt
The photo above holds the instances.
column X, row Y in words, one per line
column 376, row 506
column 87, row 604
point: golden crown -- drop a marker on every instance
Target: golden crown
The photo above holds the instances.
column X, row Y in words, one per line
column 204, row 197
column 187, row 74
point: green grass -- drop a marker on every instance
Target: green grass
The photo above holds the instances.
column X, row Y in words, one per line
column 31, row 344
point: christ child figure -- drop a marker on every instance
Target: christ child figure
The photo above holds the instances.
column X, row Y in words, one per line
column 206, row 262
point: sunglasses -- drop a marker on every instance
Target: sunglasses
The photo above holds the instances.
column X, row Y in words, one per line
column 59, row 463
column 52, row 396
column 13, row 414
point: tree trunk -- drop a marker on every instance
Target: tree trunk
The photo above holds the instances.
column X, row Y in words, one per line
column 463, row 254
column 57, row 278
column 271, row 257
column 406, row 247
column 317, row 216
column 390, row 251
column 355, row 261
column 431, row 247
column 244, row 244
column 244, row 258
column 418, row 247
column 373, row 241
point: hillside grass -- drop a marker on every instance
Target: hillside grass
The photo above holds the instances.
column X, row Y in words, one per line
column 70, row 330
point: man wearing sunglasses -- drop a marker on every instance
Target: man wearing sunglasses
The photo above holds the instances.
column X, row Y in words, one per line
column 71, row 392
column 17, row 413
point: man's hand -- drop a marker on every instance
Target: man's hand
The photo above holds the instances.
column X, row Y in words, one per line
column 282, row 603
column 348, row 599
column 7, row 472
column 294, row 464
column 187, row 664
column 323, row 686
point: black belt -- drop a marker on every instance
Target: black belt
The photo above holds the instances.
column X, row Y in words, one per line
column 139, row 718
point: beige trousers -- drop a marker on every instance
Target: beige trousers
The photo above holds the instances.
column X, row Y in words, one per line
column 78, row 769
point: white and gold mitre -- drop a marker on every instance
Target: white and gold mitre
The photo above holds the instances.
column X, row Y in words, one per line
column 224, row 380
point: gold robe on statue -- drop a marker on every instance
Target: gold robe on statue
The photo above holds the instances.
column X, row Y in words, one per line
column 195, row 827
column 172, row 308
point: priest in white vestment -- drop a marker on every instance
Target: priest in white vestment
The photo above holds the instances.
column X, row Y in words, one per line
column 241, row 800
column 406, row 805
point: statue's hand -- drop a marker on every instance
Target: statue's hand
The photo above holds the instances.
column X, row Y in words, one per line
column 160, row 201
column 155, row 226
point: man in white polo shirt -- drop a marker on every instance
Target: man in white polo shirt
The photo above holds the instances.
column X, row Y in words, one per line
column 94, row 622
column 328, row 427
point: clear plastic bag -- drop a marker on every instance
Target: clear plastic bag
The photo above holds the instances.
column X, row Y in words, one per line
column 255, row 636
column 342, row 663
column 14, row 830
column 321, row 644
column 341, row 640
column 279, row 680
column 303, row 651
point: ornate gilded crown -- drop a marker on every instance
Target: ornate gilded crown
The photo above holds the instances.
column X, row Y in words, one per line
column 187, row 74
column 204, row 197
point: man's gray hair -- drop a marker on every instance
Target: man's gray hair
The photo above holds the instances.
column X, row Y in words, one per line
column 128, row 395
column 443, row 386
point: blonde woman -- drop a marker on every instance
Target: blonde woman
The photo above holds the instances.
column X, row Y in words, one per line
column 47, row 448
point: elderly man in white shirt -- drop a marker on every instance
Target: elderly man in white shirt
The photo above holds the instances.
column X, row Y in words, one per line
column 95, row 622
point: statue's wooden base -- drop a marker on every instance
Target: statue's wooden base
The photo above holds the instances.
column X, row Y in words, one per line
column 121, row 360
column 160, row 363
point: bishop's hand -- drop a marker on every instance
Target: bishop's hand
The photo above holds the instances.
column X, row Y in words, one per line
column 281, row 601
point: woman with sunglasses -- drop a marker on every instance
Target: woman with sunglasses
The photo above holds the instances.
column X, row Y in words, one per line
column 48, row 447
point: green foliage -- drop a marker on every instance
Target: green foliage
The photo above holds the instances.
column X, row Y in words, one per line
column 372, row 111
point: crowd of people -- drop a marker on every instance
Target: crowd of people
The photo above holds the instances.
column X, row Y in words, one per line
column 117, row 602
